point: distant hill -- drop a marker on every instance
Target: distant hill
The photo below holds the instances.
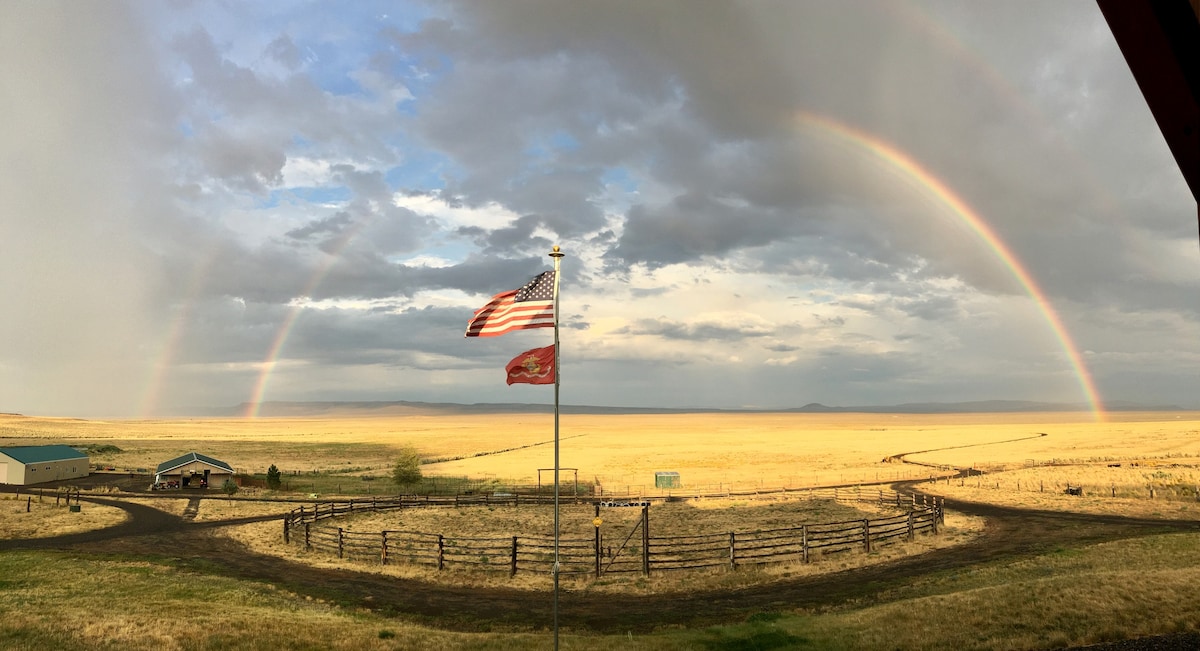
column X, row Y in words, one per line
column 979, row 407
column 281, row 409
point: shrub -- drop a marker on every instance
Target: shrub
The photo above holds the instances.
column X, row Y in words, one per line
column 407, row 470
column 274, row 478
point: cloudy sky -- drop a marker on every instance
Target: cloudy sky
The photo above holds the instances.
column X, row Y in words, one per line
column 762, row 204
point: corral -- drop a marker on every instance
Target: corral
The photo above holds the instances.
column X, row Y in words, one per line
column 685, row 542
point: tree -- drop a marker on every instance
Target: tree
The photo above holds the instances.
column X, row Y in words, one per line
column 407, row 470
column 230, row 487
column 274, row 478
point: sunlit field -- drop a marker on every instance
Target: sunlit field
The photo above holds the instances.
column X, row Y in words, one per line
column 621, row 453
column 38, row 516
column 1136, row 586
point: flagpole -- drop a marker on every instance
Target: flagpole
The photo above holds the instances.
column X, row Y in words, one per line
column 557, row 255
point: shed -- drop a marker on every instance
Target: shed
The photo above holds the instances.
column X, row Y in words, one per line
column 36, row 464
column 666, row 479
column 192, row 470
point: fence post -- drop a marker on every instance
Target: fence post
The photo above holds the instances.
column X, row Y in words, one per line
column 340, row 548
column 383, row 549
column 934, row 522
column 911, row 533
column 513, row 571
column 866, row 535
column 597, row 540
column 646, row 540
column 286, row 540
column 307, row 543
column 732, row 550
column 804, row 541
column 441, row 552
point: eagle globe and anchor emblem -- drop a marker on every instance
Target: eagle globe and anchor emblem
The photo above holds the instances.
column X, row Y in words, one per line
column 532, row 365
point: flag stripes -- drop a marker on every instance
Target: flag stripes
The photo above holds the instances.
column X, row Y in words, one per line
column 531, row 306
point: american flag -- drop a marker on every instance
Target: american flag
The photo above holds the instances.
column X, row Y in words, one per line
column 531, row 306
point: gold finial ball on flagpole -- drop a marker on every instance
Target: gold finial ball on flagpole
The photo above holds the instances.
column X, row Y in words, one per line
column 555, row 253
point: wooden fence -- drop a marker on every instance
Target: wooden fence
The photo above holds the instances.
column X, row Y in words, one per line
column 599, row 554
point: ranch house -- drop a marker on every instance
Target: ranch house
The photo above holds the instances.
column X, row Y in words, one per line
column 192, row 470
column 36, row 464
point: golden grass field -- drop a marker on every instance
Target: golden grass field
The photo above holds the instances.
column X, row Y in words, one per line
column 1059, row 597
column 34, row 516
column 623, row 451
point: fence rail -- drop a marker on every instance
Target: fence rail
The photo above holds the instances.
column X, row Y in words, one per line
column 599, row 555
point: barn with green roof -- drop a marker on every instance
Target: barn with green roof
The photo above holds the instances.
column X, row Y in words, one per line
column 37, row 464
column 192, row 470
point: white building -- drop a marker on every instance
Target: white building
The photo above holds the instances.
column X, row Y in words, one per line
column 36, row 464
column 192, row 470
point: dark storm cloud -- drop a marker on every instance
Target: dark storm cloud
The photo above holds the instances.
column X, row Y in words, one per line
column 370, row 227
column 332, row 225
column 931, row 308
column 391, row 338
column 694, row 226
column 283, row 50
column 782, row 348
column 734, row 76
column 245, row 164
column 510, row 240
column 700, row 331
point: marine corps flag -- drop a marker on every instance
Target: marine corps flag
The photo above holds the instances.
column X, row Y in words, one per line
column 532, row 367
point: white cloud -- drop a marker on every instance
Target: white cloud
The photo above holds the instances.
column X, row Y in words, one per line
column 451, row 216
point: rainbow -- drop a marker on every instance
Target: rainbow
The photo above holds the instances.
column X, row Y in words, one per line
column 297, row 306
column 158, row 371
column 169, row 344
column 861, row 141
column 904, row 164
